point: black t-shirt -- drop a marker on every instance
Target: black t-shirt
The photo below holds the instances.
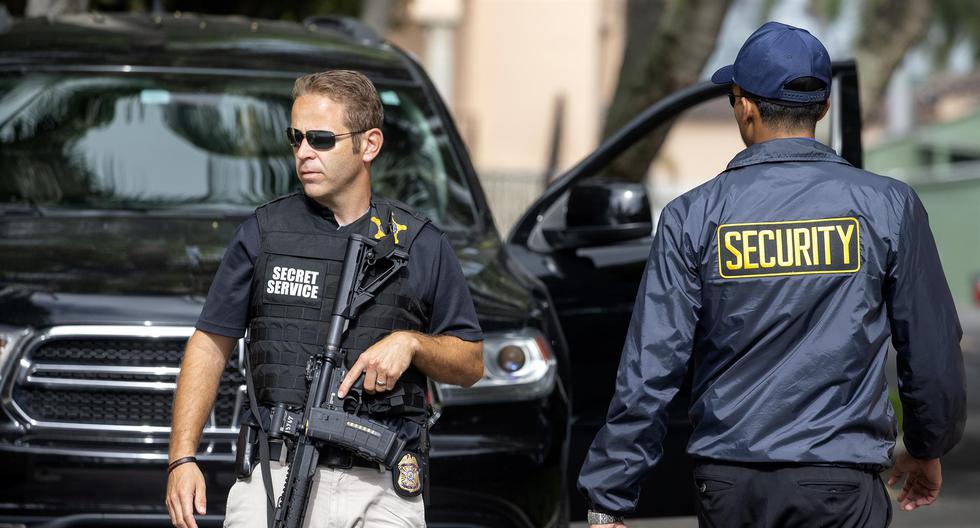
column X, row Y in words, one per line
column 434, row 274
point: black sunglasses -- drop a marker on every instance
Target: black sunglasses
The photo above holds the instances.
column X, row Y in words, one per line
column 318, row 139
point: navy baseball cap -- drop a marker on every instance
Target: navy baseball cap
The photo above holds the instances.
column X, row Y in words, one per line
column 775, row 55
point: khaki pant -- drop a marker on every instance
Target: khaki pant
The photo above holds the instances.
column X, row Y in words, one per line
column 340, row 498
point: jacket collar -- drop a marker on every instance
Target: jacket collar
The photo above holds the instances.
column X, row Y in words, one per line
column 788, row 149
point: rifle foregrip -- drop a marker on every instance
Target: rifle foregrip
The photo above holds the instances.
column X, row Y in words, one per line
column 292, row 505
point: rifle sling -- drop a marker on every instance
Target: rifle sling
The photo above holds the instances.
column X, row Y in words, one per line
column 270, row 506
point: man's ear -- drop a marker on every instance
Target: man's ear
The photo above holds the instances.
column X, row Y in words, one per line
column 750, row 112
column 371, row 144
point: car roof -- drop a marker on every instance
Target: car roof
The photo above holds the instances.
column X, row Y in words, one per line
column 202, row 43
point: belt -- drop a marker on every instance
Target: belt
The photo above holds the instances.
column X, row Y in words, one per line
column 335, row 457
column 330, row 456
column 866, row 467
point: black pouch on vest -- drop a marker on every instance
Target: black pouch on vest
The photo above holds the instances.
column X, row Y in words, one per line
column 248, row 439
column 408, row 474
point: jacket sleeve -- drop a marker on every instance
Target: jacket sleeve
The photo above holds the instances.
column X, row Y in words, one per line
column 926, row 334
column 655, row 357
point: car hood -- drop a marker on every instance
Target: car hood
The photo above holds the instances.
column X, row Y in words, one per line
column 113, row 254
column 139, row 269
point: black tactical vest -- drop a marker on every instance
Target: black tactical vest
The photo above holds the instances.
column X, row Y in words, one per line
column 293, row 289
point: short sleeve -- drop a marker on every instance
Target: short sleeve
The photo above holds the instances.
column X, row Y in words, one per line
column 438, row 280
column 225, row 311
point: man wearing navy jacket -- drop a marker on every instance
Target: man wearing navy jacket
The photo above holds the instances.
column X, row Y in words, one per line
column 780, row 282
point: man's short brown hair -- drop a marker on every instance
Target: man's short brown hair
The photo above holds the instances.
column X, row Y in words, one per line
column 351, row 89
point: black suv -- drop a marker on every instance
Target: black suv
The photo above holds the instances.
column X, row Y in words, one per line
column 131, row 146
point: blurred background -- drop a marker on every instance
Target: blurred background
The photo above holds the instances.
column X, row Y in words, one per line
column 535, row 85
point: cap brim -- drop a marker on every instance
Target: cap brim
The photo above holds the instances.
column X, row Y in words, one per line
column 724, row 75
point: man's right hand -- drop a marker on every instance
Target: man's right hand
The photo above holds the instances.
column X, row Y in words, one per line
column 185, row 493
column 923, row 480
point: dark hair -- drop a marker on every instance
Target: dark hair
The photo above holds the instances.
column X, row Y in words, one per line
column 351, row 89
column 776, row 114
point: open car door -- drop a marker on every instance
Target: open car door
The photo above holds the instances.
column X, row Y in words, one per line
column 587, row 239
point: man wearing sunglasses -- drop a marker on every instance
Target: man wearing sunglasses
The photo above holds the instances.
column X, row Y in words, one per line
column 780, row 282
column 277, row 279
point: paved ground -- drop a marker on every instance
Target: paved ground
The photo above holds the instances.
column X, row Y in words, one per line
column 959, row 502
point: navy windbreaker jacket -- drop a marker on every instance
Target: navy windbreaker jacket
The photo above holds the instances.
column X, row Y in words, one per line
column 780, row 282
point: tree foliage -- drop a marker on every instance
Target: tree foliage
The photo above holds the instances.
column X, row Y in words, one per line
column 957, row 20
column 888, row 29
column 668, row 43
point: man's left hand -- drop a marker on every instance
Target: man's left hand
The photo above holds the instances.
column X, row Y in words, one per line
column 382, row 364
column 923, row 480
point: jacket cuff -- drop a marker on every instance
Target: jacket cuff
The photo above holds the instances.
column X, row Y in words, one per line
column 922, row 452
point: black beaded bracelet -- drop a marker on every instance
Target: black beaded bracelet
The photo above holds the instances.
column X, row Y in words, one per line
column 180, row 461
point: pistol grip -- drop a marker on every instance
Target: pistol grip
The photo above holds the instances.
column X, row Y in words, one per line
column 355, row 396
column 359, row 384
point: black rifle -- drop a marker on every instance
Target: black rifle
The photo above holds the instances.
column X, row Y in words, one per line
column 326, row 419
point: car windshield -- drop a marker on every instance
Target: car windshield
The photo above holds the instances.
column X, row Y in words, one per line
column 175, row 143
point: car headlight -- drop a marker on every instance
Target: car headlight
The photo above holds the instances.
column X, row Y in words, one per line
column 10, row 338
column 518, row 366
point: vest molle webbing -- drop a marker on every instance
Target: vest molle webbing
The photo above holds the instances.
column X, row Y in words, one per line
column 293, row 289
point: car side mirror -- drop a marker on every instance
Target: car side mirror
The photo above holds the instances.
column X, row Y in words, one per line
column 601, row 213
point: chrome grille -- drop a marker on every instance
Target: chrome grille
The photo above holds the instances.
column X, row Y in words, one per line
column 47, row 404
column 105, row 351
column 114, row 378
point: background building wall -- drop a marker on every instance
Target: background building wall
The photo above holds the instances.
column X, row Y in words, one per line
column 532, row 79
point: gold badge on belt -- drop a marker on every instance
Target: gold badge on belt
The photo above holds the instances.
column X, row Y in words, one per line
column 409, row 478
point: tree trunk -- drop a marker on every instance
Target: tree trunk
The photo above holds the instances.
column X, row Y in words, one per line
column 889, row 28
column 377, row 14
column 54, row 7
column 668, row 43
